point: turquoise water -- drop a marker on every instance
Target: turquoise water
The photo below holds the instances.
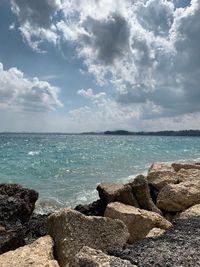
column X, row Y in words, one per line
column 65, row 169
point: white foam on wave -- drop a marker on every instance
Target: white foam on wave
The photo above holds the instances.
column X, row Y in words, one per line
column 33, row 153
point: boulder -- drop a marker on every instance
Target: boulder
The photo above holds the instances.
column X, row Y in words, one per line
column 155, row 232
column 188, row 175
column 186, row 166
column 192, row 212
column 178, row 197
column 88, row 257
column 161, row 174
column 97, row 208
column 138, row 221
column 10, row 240
column 159, row 166
column 16, row 204
column 142, row 193
column 37, row 254
column 72, row 230
column 111, row 192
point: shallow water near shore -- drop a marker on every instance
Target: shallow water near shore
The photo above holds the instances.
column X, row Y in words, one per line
column 65, row 169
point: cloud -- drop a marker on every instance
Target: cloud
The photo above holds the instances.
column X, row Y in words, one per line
column 19, row 93
column 146, row 50
column 36, row 20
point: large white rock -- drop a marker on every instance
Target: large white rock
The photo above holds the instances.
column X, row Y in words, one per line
column 37, row 254
column 72, row 230
column 138, row 221
column 88, row 257
column 161, row 174
column 178, row 197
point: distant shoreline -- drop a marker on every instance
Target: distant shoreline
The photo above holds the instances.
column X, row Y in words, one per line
column 192, row 133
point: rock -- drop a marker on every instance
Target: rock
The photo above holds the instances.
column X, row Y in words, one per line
column 138, row 221
column 188, row 175
column 38, row 254
column 153, row 193
column 177, row 247
column 170, row 216
column 111, row 192
column 192, row 212
column 161, row 174
column 155, row 232
column 16, row 204
column 159, row 166
column 142, row 193
column 10, row 240
column 178, row 197
column 186, row 166
column 88, row 257
column 72, row 230
column 97, row 208
column 36, row 227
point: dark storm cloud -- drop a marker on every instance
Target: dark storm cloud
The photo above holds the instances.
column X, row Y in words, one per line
column 109, row 38
column 36, row 12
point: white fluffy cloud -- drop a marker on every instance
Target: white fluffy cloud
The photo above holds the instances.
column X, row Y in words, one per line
column 19, row 93
column 148, row 50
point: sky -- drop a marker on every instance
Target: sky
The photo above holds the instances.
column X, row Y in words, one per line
column 95, row 65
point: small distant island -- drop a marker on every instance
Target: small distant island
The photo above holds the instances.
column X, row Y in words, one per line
column 158, row 133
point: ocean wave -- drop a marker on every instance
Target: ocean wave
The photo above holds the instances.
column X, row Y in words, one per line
column 33, row 153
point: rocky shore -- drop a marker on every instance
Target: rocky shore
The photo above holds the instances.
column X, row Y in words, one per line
column 150, row 221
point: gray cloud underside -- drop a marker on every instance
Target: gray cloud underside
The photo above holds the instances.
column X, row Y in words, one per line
column 149, row 49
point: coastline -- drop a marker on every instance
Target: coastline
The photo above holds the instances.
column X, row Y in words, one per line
column 151, row 212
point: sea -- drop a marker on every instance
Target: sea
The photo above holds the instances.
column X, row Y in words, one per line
column 65, row 169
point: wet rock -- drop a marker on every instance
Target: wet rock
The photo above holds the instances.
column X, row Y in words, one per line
column 10, row 240
column 72, row 230
column 141, row 191
column 186, row 166
column 192, row 212
column 179, row 197
column 138, row 221
column 97, row 208
column 16, row 204
column 110, row 192
column 37, row 254
column 88, row 257
column 36, row 227
column 155, row 232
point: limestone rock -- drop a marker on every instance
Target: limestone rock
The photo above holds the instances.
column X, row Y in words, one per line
column 38, row 254
column 188, row 175
column 161, row 174
column 138, row 221
column 88, row 257
column 186, row 166
column 159, row 166
column 178, row 197
column 142, row 193
column 155, row 232
column 117, row 192
column 192, row 212
column 72, row 230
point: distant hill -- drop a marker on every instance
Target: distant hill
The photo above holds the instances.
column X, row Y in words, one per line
column 159, row 133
